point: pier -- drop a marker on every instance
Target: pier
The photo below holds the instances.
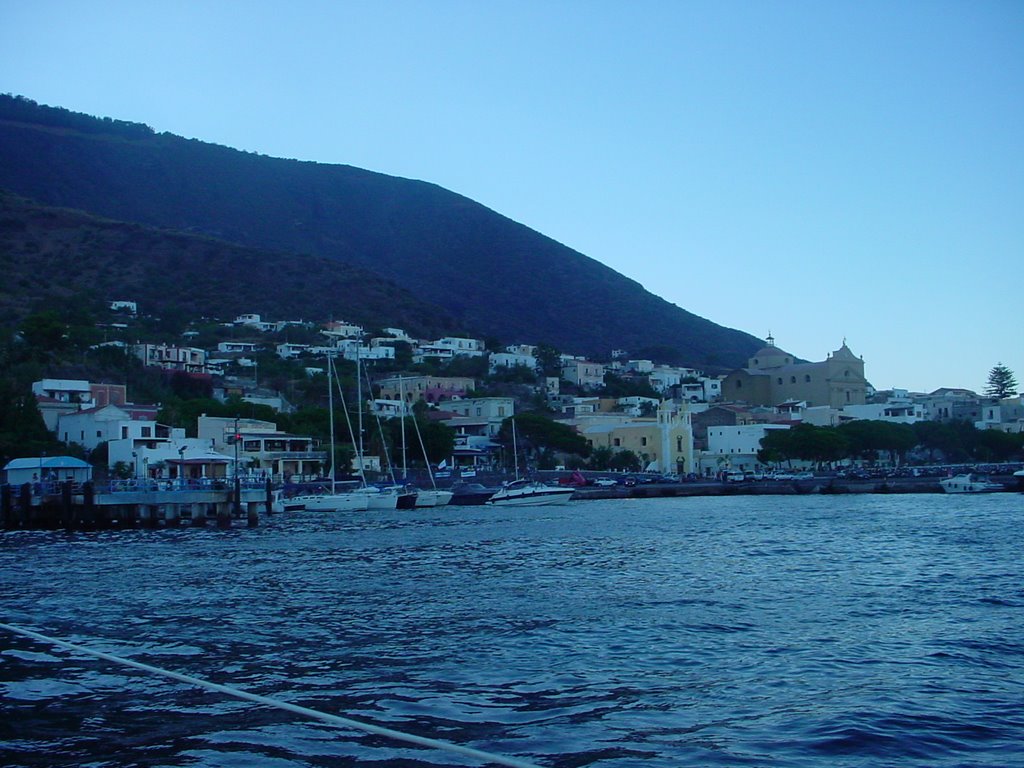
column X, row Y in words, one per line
column 133, row 504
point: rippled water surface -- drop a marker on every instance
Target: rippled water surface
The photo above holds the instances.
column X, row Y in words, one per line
column 790, row 631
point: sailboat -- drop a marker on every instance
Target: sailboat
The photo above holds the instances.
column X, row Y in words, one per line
column 527, row 493
column 435, row 497
column 334, row 500
column 376, row 498
column 405, row 495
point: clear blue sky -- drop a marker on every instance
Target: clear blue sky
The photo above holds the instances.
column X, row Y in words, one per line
column 818, row 170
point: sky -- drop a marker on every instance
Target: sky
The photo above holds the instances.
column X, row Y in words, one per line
column 817, row 171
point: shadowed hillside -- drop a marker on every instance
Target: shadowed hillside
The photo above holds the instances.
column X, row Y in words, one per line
column 50, row 254
column 497, row 277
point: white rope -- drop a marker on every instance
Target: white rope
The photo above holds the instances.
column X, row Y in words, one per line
column 485, row 757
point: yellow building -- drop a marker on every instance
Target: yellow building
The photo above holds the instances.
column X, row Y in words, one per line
column 663, row 444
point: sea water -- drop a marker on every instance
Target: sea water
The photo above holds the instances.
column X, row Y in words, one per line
column 786, row 631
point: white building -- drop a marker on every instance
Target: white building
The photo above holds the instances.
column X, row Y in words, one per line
column 894, row 412
column 72, row 391
column 493, row 410
column 262, row 447
column 170, row 357
column 108, row 423
column 125, row 306
column 353, row 349
column 461, row 347
column 511, row 360
column 712, row 388
column 288, row 351
column 237, row 347
column 583, row 373
column 343, row 330
column 252, row 320
column 735, row 447
column 640, row 366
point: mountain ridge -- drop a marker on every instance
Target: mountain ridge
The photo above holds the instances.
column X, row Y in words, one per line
column 494, row 276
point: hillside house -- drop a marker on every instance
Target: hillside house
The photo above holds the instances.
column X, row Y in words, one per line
column 583, row 373
column 430, row 389
column 170, row 357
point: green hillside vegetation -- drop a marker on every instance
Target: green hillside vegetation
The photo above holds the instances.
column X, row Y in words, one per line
column 48, row 255
column 495, row 276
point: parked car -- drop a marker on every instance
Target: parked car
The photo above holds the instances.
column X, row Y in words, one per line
column 605, row 482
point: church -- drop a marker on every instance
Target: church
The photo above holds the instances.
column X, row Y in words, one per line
column 773, row 377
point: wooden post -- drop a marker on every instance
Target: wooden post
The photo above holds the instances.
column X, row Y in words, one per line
column 89, row 504
column 24, row 506
column 6, row 505
column 67, row 514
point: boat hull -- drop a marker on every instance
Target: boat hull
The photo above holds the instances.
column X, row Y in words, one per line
column 331, row 502
column 433, row 498
column 968, row 484
column 534, row 497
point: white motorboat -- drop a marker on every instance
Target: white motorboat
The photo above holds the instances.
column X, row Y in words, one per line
column 969, row 483
column 529, row 493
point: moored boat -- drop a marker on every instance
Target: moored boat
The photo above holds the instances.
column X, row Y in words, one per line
column 433, row 498
column 470, row 494
column 529, row 493
column 969, row 483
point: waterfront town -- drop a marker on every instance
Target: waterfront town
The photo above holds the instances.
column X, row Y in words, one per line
column 622, row 414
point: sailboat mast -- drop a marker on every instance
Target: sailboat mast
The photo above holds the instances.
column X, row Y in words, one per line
column 515, row 449
column 330, row 411
column 359, row 420
column 401, row 398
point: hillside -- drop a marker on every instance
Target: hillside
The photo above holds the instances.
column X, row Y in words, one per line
column 495, row 276
column 50, row 254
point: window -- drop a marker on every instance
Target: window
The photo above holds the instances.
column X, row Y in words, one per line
column 99, row 433
column 807, row 378
column 146, row 431
column 792, row 379
column 779, row 379
column 847, row 395
column 616, row 442
column 739, row 384
column 124, row 433
column 643, row 441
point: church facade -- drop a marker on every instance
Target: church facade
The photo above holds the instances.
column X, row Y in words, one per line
column 773, row 377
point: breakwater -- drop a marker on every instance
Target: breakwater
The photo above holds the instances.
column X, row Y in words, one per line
column 818, row 485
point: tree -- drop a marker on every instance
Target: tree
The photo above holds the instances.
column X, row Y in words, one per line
column 1001, row 382
column 626, row 461
column 536, row 431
